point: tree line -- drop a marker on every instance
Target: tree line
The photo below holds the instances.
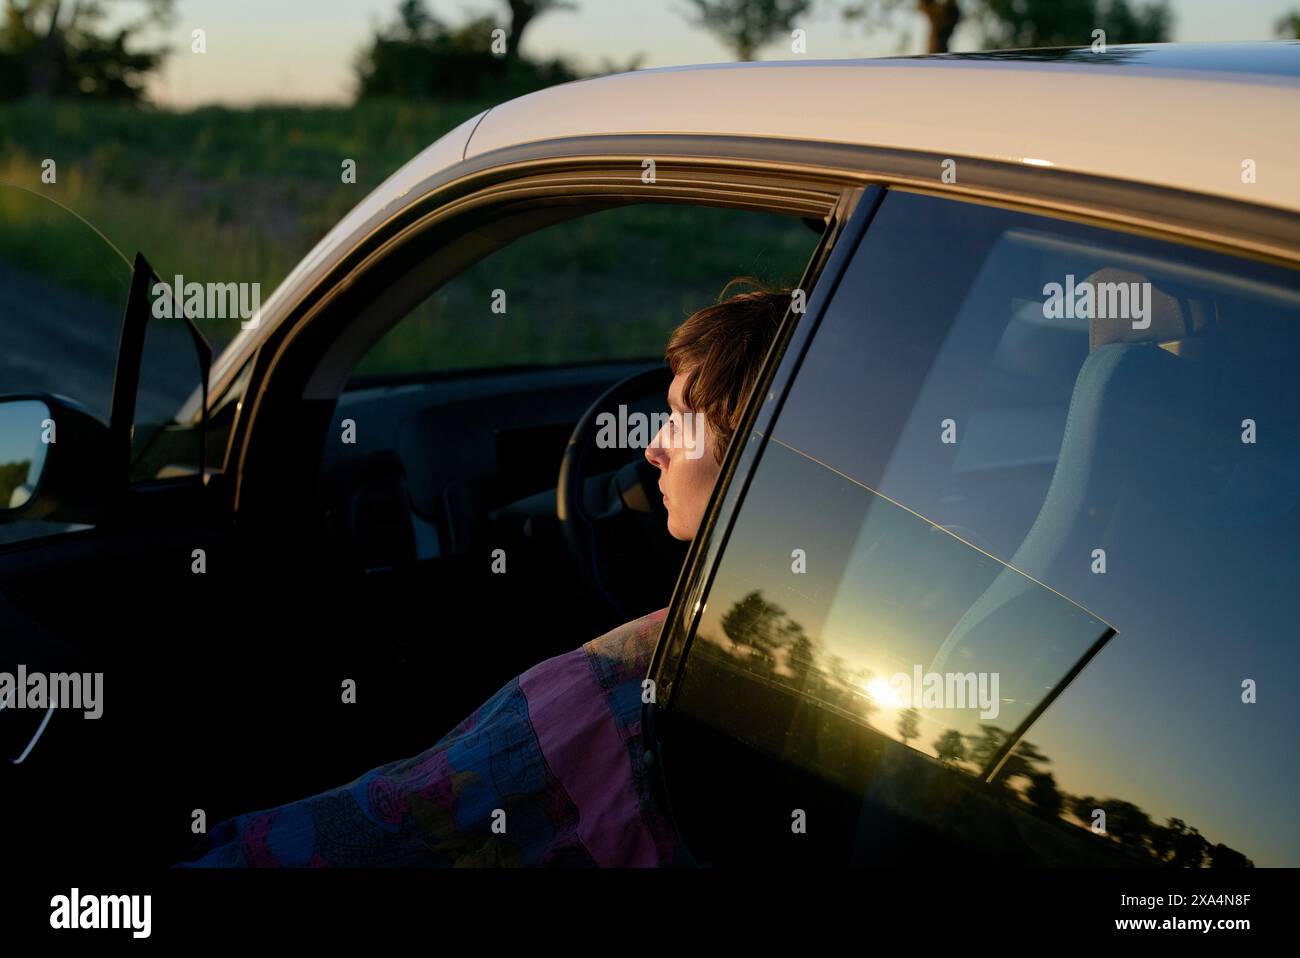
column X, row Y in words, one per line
column 108, row 49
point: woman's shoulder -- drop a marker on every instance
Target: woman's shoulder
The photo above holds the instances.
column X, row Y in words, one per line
column 610, row 668
column 624, row 652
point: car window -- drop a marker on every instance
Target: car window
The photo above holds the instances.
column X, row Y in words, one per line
column 607, row 286
column 166, row 442
column 1014, row 577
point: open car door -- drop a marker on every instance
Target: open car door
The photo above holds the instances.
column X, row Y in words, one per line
column 79, row 543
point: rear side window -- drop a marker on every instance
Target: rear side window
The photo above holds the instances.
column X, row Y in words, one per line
column 1015, row 575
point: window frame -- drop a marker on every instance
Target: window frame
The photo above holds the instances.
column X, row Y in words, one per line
column 298, row 361
column 763, row 172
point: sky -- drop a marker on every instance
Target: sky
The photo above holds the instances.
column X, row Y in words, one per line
column 303, row 50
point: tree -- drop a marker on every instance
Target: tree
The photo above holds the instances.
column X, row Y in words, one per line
column 1128, row 823
column 986, row 745
column 524, row 12
column 802, row 660
column 942, row 17
column 1022, row 24
column 743, row 26
column 1044, row 796
column 1125, row 823
column 1221, row 856
column 1021, row 763
column 1287, row 26
column 909, row 725
column 1083, row 807
column 753, row 621
column 1016, row 24
column 1183, row 844
column 415, row 23
column 950, row 747
column 52, row 49
column 419, row 57
column 1150, row 23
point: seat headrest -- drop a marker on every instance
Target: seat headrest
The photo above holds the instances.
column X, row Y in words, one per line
column 1165, row 320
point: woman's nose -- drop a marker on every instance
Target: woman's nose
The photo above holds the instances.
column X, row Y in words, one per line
column 655, row 450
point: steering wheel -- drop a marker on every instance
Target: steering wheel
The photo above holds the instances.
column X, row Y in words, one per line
column 614, row 524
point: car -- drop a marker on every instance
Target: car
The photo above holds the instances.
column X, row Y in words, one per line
column 1003, row 570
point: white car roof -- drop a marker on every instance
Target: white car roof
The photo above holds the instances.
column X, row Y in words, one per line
column 1183, row 116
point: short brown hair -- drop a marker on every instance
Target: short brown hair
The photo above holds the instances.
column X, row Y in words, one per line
column 723, row 347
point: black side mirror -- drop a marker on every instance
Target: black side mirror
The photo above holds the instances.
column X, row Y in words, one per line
column 52, row 458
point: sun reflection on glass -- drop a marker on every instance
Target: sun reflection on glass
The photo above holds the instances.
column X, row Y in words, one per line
column 884, row 693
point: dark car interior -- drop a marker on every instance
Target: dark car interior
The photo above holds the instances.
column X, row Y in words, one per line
column 491, row 478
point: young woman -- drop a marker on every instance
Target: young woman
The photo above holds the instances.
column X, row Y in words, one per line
column 548, row 771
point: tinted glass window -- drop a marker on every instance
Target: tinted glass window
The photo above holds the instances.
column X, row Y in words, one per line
column 1015, row 575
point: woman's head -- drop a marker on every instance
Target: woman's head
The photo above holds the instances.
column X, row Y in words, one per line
column 715, row 356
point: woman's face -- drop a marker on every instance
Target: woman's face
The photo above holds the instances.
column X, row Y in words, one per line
column 683, row 452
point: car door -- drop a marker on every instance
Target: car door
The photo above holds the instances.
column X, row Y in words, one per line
column 82, row 549
column 1007, row 576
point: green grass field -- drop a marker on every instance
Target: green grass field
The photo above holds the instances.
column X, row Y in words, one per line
column 214, row 194
column 222, row 195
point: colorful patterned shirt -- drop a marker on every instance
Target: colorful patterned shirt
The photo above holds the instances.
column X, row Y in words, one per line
column 549, row 771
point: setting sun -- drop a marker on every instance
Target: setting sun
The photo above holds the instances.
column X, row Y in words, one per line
column 884, row 693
